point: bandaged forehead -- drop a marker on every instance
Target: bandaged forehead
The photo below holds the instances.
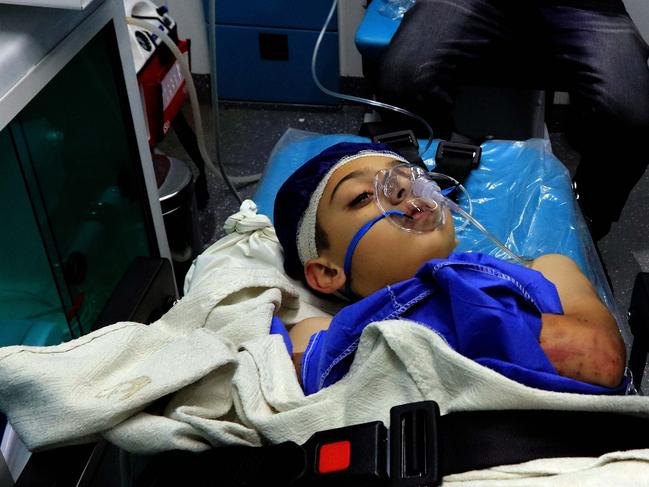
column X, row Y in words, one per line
column 305, row 239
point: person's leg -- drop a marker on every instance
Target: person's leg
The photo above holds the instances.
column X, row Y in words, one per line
column 436, row 40
column 603, row 59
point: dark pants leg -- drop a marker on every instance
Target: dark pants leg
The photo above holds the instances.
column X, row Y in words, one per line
column 602, row 60
column 437, row 42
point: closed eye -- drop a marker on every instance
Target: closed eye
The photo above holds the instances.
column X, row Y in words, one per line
column 361, row 199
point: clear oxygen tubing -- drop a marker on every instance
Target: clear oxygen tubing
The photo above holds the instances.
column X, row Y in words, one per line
column 428, row 189
column 469, row 218
column 469, row 202
column 196, row 116
column 357, row 99
column 518, row 259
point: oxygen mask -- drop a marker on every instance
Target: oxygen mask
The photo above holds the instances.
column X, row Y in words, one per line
column 416, row 200
column 412, row 198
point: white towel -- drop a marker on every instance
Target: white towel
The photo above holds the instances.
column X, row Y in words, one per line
column 208, row 373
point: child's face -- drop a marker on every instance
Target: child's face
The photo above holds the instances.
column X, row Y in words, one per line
column 386, row 254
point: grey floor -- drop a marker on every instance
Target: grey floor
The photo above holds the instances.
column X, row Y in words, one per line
column 247, row 135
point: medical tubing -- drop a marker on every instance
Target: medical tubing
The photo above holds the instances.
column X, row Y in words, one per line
column 469, row 202
column 428, row 192
column 215, row 96
column 489, row 235
column 193, row 98
column 149, row 17
column 357, row 99
column 427, row 188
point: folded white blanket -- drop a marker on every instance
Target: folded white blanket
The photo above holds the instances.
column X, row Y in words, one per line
column 208, row 373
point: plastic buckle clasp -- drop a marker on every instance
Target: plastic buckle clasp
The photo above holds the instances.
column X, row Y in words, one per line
column 403, row 141
column 458, row 157
column 353, row 456
column 402, row 138
column 414, row 445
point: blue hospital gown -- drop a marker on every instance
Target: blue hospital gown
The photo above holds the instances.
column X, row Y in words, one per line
column 486, row 309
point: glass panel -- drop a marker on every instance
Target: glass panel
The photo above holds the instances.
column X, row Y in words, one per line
column 30, row 308
column 77, row 150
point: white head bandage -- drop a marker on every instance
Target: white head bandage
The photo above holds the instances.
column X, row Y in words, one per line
column 305, row 239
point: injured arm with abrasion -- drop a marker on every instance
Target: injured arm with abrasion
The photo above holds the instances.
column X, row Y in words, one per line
column 585, row 342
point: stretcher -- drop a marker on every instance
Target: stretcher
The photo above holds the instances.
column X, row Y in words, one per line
column 522, row 193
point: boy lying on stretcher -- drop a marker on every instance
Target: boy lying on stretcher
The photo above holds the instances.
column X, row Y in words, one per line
column 542, row 326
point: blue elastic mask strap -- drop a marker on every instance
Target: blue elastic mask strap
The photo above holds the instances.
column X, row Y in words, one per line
column 352, row 247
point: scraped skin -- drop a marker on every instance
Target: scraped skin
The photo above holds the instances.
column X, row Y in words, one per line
column 584, row 343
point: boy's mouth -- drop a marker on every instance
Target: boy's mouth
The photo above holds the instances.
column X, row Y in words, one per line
column 421, row 214
column 418, row 209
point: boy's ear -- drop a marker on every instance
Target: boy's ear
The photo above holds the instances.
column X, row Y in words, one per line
column 324, row 276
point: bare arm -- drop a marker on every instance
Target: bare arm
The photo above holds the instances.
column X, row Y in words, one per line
column 303, row 330
column 584, row 343
column 300, row 335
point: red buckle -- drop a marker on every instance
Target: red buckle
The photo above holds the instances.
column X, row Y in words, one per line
column 334, row 457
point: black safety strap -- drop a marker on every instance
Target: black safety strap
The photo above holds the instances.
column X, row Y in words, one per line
column 455, row 159
column 403, row 141
column 423, row 447
column 484, row 439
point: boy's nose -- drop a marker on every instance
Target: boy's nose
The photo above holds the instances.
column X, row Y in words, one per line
column 398, row 195
column 399, row 190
